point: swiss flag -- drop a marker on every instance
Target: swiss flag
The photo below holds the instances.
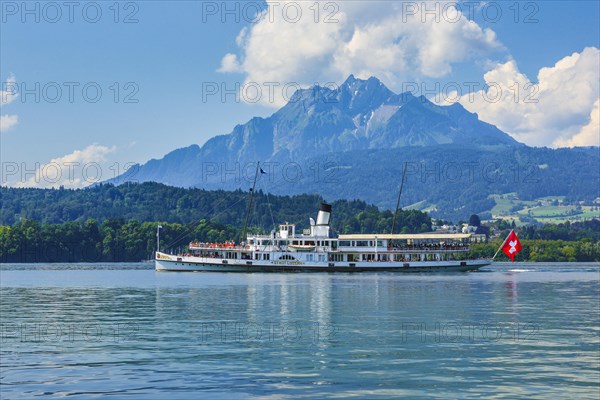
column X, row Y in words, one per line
column 511, row 246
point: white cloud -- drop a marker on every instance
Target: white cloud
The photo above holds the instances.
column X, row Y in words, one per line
column 7, row 122
column 229, row 63
column 9, row 91
column 559, row 110
column 367, row 39
column 75, row 170
column 8, row 94
column 588, row 135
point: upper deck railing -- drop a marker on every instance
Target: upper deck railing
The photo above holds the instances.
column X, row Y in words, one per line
column 216, row 246
column 418, row 248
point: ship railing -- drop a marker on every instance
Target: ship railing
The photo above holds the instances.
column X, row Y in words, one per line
column 426, row 249
column 208, row 255
column 464, row 250
column 403, row 249
column 217, row 246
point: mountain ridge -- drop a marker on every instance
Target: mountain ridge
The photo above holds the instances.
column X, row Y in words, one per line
column 349, row 123
column 360, row 114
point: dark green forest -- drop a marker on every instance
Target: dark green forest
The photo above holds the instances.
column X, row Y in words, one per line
column 108, row 223
column 151, row 202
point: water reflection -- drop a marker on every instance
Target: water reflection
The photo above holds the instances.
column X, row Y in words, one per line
column 135, row 332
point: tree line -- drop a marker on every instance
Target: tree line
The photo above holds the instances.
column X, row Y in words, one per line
column 109, row 223
column 565, row 242
column 120, row 240
column 543, row 251
column 113, row 240
column 151, row 202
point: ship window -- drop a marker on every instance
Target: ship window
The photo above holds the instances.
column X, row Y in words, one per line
column 336, row 257
column 286, row 257
column 321, row 257
column 362, row 243
column 309, row 257
column 379, row 243
column 344, row 243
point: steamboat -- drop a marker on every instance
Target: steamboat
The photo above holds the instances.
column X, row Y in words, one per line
column 316, row 249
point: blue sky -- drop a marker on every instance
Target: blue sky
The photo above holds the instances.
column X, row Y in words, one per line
column 155, row 60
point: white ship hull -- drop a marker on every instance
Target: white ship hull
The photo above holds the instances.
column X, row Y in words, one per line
column 167, row 262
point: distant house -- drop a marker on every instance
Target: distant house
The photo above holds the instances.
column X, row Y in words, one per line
column 466, row 228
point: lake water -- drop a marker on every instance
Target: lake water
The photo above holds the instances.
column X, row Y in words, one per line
column 123, row 330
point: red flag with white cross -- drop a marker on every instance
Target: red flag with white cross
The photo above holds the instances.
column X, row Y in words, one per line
column 512, row 246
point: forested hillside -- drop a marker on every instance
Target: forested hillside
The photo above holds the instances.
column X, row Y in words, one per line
column 151, row 202
column 107, row 223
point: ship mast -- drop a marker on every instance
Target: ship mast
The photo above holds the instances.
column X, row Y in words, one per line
column 251, row 194
column 398, row 202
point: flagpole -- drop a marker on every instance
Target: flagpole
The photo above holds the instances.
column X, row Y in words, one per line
column 502, row 245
